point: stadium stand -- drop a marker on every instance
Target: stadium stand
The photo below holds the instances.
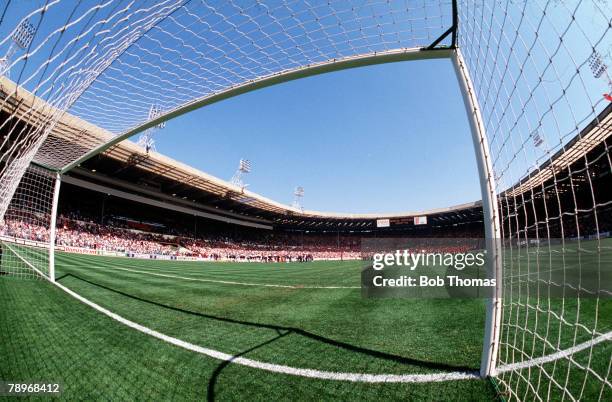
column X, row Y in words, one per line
column 116, row 205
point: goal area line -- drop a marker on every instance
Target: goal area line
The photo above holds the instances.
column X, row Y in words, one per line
column 556, row 356
column 269, row 285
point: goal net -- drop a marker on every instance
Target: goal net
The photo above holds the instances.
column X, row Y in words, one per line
column 540, row 75
column 79, row 76
column 26, row 228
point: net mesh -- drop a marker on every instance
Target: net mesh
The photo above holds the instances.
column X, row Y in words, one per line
column 539, row 72
column 94, row 70
column 110, row 63
column 25, row 230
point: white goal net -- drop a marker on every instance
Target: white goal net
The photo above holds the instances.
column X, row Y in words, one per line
column 540, row 75
column 78, row 77
column 25, row 229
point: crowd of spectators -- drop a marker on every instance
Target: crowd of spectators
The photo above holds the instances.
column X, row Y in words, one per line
column 24, row 229
column 108, row 238
column 74, row 231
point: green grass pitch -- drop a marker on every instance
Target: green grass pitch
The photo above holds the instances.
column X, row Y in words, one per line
column 49, row 336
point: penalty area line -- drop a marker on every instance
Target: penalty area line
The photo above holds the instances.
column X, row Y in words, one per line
column 275, row 368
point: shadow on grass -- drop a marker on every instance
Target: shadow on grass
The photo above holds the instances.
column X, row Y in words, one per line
column 283, row 331
column 210, row 389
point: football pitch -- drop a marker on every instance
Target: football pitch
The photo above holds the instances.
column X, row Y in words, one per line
column 307, row 316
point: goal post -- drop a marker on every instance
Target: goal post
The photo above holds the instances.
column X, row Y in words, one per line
column 488, row 190
column 53, row 226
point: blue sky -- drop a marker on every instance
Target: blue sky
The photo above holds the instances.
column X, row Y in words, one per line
column 384, row 138
column 378, row 139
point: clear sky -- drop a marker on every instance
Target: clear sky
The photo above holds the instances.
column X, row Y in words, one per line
column 385, row 138
column 389, row 138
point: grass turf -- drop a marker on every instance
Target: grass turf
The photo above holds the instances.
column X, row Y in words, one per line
column 52, row 337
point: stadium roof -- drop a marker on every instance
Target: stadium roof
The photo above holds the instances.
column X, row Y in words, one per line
column 70, row 132
column 593, row 134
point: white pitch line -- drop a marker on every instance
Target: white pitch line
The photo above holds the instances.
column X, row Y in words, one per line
column 275, row 368
column 555, row 356
column 218, row 280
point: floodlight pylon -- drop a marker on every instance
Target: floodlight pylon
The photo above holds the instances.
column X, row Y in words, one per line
column 298, row 195
column 22, row 38
column 244, row 168
column 600, row 71
column 146, row 139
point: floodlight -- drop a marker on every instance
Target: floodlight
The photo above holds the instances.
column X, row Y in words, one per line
column 22, row 38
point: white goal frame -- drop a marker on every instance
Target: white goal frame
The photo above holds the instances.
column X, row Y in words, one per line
column 479, row 139
column 533, row 123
